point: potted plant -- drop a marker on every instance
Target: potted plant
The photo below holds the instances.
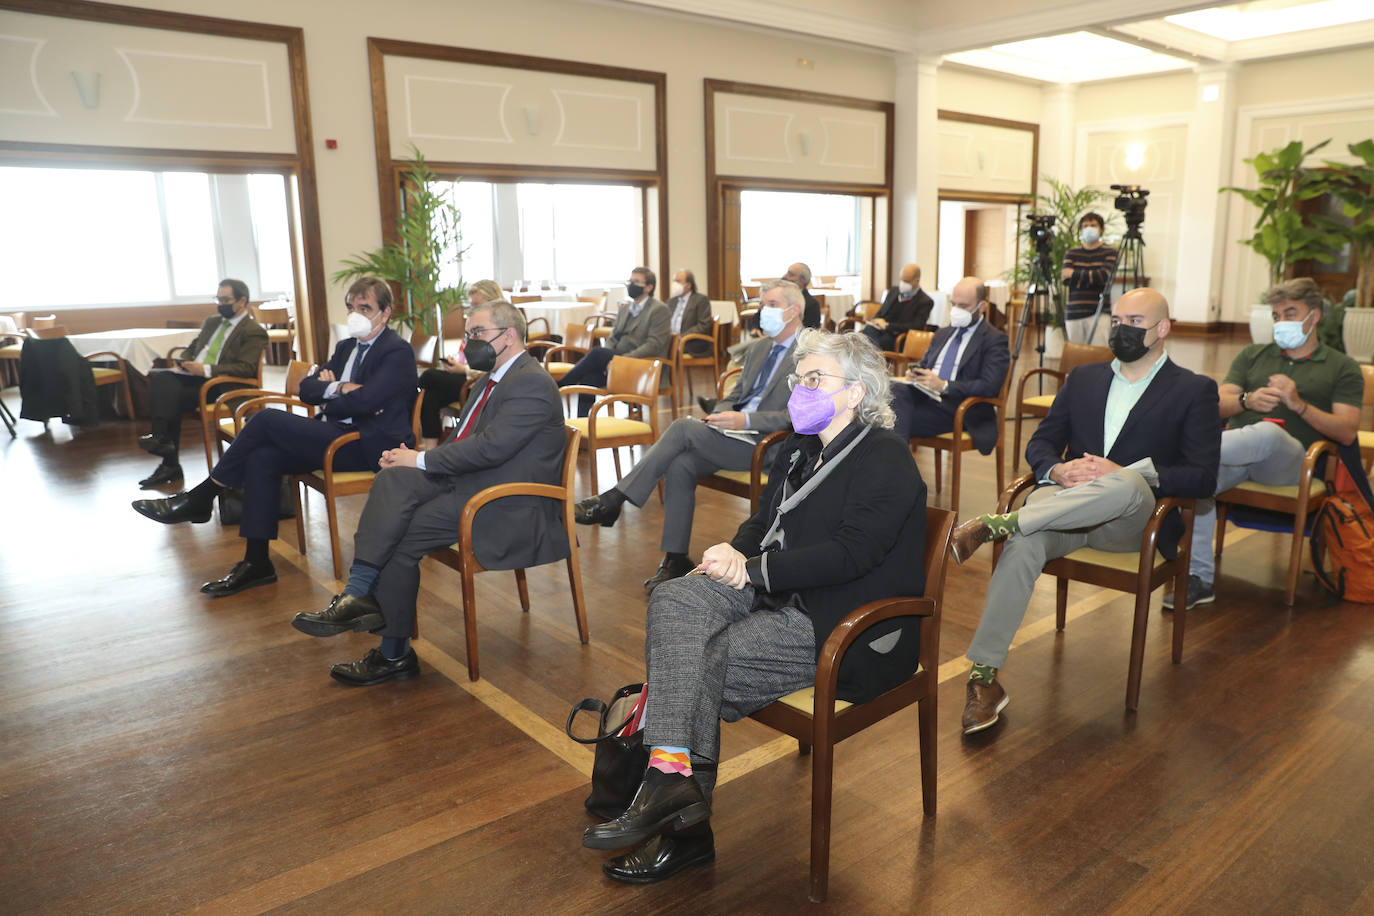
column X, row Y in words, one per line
column 1351, row 183
column 1282, row 235
column 428, row 240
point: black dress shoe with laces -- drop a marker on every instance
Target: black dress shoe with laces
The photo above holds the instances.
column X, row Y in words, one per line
column 593, row 511
column 360, row 613
column 664, row 856
column 675, row 803
column 670, row 568
column 376, row 668
column 174, row 509
column 165, row 474
column 160, row 446
column 245, row 574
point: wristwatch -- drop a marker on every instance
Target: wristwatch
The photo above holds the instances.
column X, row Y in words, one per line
column 1242, row 400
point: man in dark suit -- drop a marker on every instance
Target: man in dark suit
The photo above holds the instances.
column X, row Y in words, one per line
column 510, row 429
column 906, row 307
column 641, row 330
column 690, row 312
column 1119, row 436
column 967, row 359
column 800, row 274
column 692, row 447
column 368, row 387
column 229, row 343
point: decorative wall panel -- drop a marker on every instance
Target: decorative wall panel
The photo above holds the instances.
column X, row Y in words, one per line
column 984, row 158
column 762, row 137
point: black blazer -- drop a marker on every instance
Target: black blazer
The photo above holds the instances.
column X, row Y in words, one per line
column 381, row 408
column 905, row 316
column 811, row 311
column 1176, row 423
column 982, row 369
column 696, row 319
column 857, row 537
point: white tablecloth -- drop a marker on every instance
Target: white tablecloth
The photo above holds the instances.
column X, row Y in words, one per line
column 138, row 346
column 837, row 303
column 558, row 314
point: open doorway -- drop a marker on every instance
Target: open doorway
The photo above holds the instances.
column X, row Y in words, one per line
column 978, row 238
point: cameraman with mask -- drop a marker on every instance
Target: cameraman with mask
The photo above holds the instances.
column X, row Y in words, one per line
column 1087, row 271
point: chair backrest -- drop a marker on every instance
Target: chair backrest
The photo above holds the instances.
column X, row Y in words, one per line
column 43, row 321
column 916, row 344
column 455, row 323
column 631, row 375
column 182, row 324
column 517, row 300
column 1368, row 371
column 727, row 378
column 600, row 319
column 868, row 309
column 577, row 335
column 48, row 332
column 573, row 437
column 296, row 372
column 939, row 529
column 268, row 317
column 598, row 301
column 1077, row 354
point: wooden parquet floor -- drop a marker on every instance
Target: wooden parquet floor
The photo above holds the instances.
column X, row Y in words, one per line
column 163, row 752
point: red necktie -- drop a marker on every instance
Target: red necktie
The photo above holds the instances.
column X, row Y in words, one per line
column 471, row 422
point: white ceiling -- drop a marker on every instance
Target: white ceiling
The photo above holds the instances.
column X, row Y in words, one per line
column 1054, row 40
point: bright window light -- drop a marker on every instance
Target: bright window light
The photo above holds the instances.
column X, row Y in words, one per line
column 190, row 232
column 779, row 228
column 267, row 197
column 1070, row 58
column 1243, row 21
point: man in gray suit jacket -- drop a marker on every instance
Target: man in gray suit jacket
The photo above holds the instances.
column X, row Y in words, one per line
column 693, row 447
column 510, row 430
column 641, row 330
column 689, row 312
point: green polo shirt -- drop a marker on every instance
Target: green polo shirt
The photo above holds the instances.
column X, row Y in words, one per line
column 1325, row 377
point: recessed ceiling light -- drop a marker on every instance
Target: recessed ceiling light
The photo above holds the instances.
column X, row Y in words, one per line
column 1266, row 18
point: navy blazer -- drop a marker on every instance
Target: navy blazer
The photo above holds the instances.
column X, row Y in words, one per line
column 983, row 368
column 381, row 409
column 1176, row 423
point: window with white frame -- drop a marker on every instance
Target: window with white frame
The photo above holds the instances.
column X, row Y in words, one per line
column 780, row 228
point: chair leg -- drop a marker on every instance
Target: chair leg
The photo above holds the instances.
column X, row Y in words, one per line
column 939, row 466
column 591, row 456
column 208, row 436
column 956, row 465
column 926, row 711
column 334, row 535
column 300, row 519
column 1016, row 445
column 615, row 459
column 1061, row 603
column 579, row 603
column 822, row 766
column 1142, row 620
column 1219, row 540
column 1180, row 612
column 470, row 622
column 523, row 588
column 1295, row 554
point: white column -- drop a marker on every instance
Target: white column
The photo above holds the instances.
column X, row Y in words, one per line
column 915, row 172
column 1202, row 230
column 1058, row 118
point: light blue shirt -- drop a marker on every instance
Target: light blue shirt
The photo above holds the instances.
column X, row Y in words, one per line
column 753, row 403
column 497, row 374
column 1121, row 399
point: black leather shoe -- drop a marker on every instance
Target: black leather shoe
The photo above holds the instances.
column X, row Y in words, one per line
column 670, row 568
column 174, row 509
column 376, row 668
column 245, row 574
column 663, row 856
column 165, row 474
column 160, row 446
column 592, row 511
column 345, row 612
column 658, row 806
column 706, row 404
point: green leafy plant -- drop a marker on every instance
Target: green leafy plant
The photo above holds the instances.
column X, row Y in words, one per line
column 1352, row 185
column 428, row 240
column 1068, row 205
column 1282, row 235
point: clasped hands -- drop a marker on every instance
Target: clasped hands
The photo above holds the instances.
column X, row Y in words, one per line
column 725, row 565
column 1075, row 473
column 1280, row 390
column 402, row 456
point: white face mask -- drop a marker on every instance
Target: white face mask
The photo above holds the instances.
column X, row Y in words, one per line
column 1089, row 234
column 904, row 287
column 675, row 291
column 959, row 318
column 358, row 325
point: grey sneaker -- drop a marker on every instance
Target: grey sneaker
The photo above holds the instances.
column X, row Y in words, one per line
column 1199, row 592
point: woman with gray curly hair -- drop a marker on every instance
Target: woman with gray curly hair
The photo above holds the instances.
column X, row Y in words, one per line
column 842, row 523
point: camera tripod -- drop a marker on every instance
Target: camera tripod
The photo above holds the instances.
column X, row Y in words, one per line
column 1130, row 267
column 1041, row 293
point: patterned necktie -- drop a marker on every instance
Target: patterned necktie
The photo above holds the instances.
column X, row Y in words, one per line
column 212, row 352
column 470, row 423
column 764, row 375
column 951, row 355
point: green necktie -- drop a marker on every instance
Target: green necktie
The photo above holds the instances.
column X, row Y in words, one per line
column 212, row 354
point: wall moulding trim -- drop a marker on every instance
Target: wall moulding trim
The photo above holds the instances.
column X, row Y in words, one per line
column 1031, row 127
column 47, row 111
column 125, row 54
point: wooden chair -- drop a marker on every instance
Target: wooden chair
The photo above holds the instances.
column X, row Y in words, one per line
column 1038, row 405
column 630, row 381
column 796, row 714
column 956, row 441
column 460, row 557
column 220, row 422
column 281, row 332
column 1366, row 436
column 862, row 314
column 1139, row 573
column 911, row 348
column 1301, row 500
column 718, row 341
column 750, row 291
column 748, row 484
column 334, row 484
column 531, row 333
column 601, row 325
column 667, row 382
column 558, row 359
column 46, row 328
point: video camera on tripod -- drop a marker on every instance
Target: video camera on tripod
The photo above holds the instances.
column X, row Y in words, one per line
column 1130, row 259
column 1130, row 200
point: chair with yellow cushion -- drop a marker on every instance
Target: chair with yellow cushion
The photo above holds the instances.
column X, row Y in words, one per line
column 860, row 315
column 1038, row 405
column 911, row 348
column 558, row 359
column 796, row 714
column 42, row 330
column 630, row 381
column 718, row 339
column 220, row 422
column 1301, row 501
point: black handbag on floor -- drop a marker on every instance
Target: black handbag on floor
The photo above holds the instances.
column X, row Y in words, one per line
column 621, row 756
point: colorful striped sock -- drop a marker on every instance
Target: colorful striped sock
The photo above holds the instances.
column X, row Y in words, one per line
column 676, row 761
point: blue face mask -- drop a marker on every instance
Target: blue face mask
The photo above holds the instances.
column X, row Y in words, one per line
column 1289, row 335
column 1089, row 234
column 770, row 320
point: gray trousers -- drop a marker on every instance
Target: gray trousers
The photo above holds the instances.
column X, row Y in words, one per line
column 709, row 656
column 1262, row 452
column 687, row 450
column 408, row 514
column 1108, row 514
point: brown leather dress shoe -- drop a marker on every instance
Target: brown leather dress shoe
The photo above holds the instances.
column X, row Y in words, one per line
column 985, row 703
column 968, row 537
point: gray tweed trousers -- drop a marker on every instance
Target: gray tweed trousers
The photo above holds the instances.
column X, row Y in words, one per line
column 710, row 656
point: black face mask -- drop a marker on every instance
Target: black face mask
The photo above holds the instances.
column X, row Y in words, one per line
column 481, row 355
column 225, row 311
column 635, row 291
column 1127, row 343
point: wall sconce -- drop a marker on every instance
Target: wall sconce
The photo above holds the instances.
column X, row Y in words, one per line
column 1135, row 156
column 804, row 143
column 531, row 113
column 88, row 87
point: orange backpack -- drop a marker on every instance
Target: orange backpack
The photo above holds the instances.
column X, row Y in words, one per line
column 1343, row 540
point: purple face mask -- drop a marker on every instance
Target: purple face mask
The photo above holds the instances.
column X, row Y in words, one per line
column 811, row 409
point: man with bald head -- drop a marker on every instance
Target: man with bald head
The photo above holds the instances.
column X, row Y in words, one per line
column 800, row 274
column 1119, row 436
column 967, row 359
column 906, row 307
